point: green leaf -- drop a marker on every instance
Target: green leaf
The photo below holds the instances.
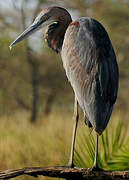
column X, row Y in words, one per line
column 113, row 147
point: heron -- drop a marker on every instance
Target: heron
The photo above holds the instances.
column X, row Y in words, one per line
column 90, row 64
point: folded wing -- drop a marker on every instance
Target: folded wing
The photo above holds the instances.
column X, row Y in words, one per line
column 91, row 67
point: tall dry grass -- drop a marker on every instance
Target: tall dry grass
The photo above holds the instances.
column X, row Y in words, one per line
column 23, row 144
column 45, row 143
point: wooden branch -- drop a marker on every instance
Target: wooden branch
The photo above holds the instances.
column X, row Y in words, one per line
column 66, row 173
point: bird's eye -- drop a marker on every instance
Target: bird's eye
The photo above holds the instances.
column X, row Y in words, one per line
column 44, row 17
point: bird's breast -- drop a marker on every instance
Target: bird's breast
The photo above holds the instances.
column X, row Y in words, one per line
column 71, row 61
column 69, row 52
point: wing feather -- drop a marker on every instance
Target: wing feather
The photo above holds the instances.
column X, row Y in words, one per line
column 91, row 67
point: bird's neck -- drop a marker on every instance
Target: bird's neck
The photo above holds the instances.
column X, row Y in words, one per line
column 54, row 40
column 55, row 35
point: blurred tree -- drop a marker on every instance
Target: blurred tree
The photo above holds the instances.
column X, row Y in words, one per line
column 30, row 57
column 41, row 78
column 21, row 20
column 32, row 87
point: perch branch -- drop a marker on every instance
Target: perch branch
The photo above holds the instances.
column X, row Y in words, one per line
column 65, row 172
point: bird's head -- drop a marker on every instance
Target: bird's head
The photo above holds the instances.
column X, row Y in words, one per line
column 55, row 20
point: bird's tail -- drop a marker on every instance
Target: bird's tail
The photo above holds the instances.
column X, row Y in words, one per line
column 87, row 122
column 100, row 126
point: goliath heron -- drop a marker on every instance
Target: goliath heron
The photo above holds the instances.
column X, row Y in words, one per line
column 90, row 64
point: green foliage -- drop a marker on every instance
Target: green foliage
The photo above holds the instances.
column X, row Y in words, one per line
column 113, row 148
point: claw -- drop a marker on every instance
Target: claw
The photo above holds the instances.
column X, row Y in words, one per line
column 71, row 165
column 95, row 168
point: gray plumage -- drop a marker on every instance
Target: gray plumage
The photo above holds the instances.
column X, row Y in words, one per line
column 91, row 67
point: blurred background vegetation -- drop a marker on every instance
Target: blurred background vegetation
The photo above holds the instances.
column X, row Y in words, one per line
column 36, row 99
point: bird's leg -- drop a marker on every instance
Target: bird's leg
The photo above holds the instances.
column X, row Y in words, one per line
column 76, row 118
column 95, row 165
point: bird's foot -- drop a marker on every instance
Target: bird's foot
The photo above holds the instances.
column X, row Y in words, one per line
column 95, row 168
column 71, row 164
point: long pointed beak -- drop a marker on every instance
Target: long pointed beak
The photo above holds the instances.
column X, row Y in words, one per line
column 32, row 28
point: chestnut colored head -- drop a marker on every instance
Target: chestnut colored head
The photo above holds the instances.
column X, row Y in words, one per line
column 55, row 20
